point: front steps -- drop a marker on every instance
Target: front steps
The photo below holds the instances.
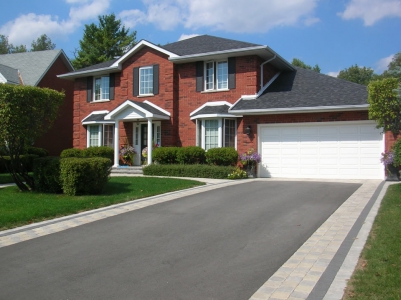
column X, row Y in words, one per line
column 124, row 170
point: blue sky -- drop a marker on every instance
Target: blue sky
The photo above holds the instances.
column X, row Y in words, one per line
column 335, row 34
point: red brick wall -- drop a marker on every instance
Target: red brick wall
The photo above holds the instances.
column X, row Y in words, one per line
column 124, row 91
column 247, row 83
column 245, row 142
column 59, row 137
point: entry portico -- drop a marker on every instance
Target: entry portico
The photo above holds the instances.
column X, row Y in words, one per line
column 140, row 112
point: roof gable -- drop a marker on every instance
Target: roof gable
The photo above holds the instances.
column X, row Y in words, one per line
column 9, row 75
column 33, row 65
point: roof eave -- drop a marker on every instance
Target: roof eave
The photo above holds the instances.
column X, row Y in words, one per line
column 89, row 72
column 292, row 110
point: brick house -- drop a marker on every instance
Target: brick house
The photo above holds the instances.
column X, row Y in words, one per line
column 40, row 68
column 215, row 92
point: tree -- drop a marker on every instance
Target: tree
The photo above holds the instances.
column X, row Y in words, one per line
column 18, row 49
column 299, row 63
column 103, row 42
column 385, row 105
column 26, row 113
column 7, row 48
column 361, row 75
column 42, row 43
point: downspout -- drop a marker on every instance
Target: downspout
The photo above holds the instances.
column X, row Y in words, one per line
column 261, row 69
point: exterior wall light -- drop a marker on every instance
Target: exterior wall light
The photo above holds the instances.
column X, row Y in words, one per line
column 248, row 130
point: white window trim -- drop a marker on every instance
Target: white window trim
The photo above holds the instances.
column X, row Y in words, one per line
column 221, row 137
column 139, row 83
column 215, row 76
column 100, row 134
column 94, row 89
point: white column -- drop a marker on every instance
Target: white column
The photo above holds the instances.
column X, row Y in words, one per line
column 116, row 144
column 150, row 141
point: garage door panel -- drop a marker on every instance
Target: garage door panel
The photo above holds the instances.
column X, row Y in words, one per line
column 324, row 150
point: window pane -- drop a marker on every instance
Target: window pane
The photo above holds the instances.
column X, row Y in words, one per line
column 229, row 133
column 209, row 76
column 93, row 136
column 105, row 88
column 211, row 134
column 222, row 75
column 108, row 135
column 98, row 83
column 146, row 81
column 158, row 135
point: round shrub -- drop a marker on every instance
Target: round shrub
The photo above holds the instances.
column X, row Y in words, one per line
column 41, row 152
column 397, row 153
column 165, row 155
column 190, row 155
column 72, row 152
column 226, row 156
column 101, row 151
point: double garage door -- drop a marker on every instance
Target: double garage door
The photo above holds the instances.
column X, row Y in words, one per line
column 335, row 150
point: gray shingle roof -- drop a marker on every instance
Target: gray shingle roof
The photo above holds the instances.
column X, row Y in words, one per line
column 306, row 88
column 101, row 65
column 10, row 74
column 211, row 110
column 95, row 117
column 204, row 44
column 149, row 108
column 32, row 65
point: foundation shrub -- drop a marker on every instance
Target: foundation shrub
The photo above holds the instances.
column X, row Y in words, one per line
column 165, row 155
column 84, row 176
column 190, row 155
column 226, row 156
column 101, row 151
column 41, row 152
column 72, row 152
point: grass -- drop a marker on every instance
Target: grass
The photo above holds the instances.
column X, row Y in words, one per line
column 378, row 274
column 22, row 208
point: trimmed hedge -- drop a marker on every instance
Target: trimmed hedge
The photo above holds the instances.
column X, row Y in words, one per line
column 191, row 155
column 72, row 152
column 397, row 153
column 165, row 155
column 200, row 171
column 86, row 176
column 46, row 174
column 226, row 156
column 101, row 151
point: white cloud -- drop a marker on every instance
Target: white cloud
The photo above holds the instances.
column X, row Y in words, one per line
column 371, row 11
column 187, row 36
column 333, row 74
column 228, row 15
column 383, row 63
column 28, row 27
column 130, row 18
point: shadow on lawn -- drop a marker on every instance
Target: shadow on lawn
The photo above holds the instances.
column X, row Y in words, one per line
column 116, row 188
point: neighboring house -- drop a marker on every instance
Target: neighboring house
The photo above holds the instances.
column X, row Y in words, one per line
column 216, row 92
column 40, row 68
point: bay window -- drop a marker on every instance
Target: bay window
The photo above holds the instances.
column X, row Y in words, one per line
column 100, row 135
column 216, row 132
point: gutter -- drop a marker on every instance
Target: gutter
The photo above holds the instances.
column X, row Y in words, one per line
column 292, row 110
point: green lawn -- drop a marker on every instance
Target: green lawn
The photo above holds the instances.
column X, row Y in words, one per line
column 378, row 274
column 6, row 178
column 21, row 208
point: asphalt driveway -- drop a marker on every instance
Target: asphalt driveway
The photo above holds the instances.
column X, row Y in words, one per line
column 220, row 244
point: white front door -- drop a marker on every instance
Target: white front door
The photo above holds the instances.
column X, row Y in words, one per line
column 140, row 139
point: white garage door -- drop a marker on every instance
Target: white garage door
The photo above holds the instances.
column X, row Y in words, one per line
column 321, row 150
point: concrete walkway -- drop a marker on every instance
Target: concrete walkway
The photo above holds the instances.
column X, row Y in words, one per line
column 318, row 270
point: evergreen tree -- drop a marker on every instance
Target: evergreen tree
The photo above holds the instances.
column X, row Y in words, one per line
column 42, row 43
column 103, row 42
column 299, row 63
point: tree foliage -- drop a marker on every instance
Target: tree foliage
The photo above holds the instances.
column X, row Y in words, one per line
column 7, row 48
column 42, row 43
column 361, row 75
column 299, row 63
column 385, row 105
column 103, row 42
column 26, row 113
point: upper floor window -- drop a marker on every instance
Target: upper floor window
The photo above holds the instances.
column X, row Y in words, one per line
column 215, row 75
column 102, row 87
column 146, row 80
